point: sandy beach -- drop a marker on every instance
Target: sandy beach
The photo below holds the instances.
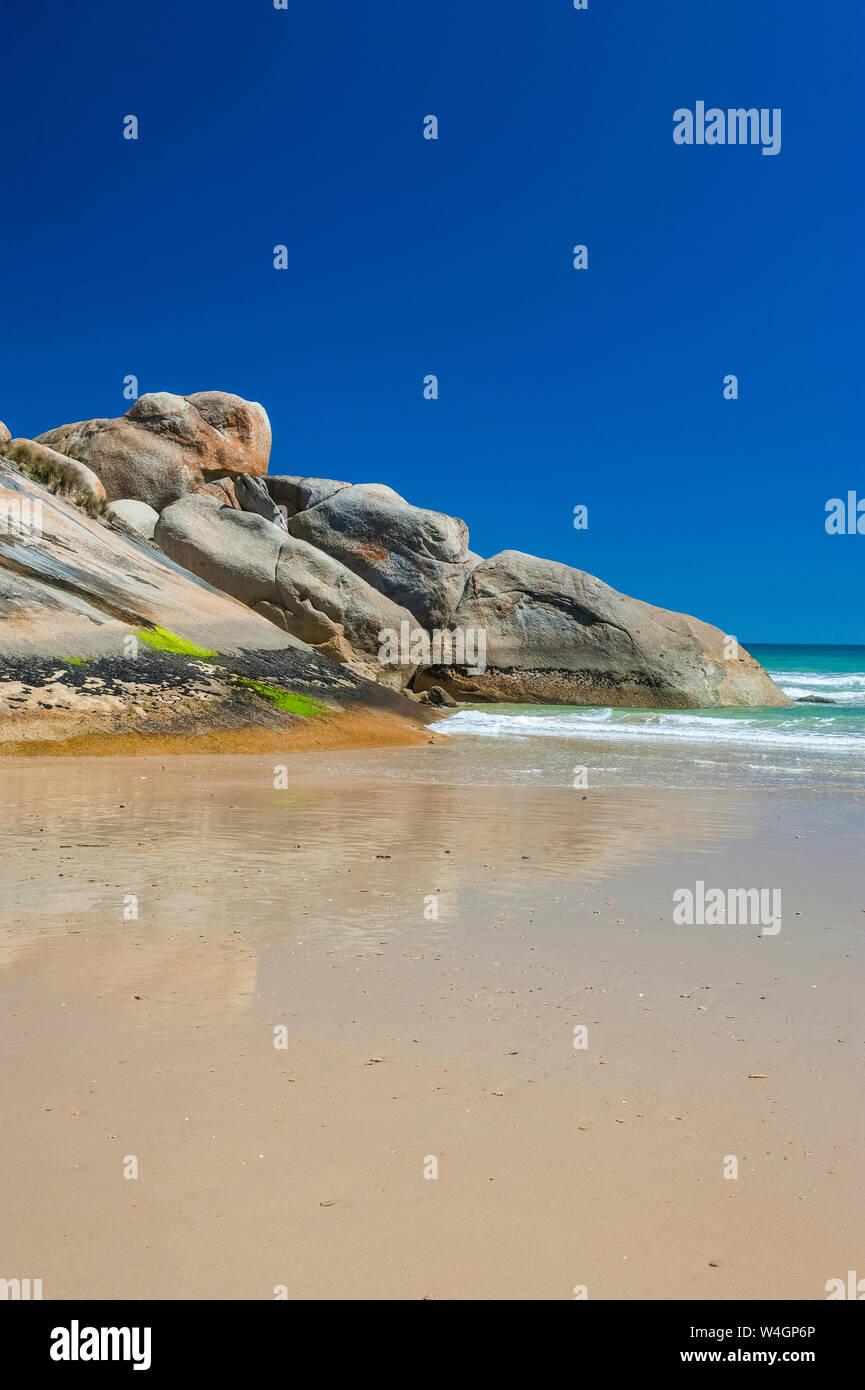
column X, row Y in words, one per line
column 429, row 945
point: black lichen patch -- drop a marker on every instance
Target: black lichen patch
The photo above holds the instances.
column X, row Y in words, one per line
column 111, row 675
column 292, row 666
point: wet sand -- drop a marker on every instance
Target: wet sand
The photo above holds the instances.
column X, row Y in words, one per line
column 411, row 1037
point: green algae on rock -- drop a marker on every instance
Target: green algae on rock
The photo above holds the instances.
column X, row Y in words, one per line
column 164, row 641
column 286, row 700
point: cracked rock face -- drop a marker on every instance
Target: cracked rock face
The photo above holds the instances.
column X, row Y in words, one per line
column 251, row 495
column 234, row 551
column 297, row 587
column 417, row 558
column 296, row 493
column 82, row 600
column 166, row 446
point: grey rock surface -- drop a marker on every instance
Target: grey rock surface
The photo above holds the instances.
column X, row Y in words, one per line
column 418, row 558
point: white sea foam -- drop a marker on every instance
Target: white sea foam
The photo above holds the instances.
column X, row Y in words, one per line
column 770, row 767
column 662, row 726
column 855, row 680
column 845, row 688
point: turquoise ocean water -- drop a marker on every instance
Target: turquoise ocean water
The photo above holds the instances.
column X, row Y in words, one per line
column 804, row 744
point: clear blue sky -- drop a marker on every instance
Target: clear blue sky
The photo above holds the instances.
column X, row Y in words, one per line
column 409, row 257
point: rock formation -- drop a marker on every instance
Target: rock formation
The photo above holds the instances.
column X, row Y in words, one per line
column 166, row 446
column 301, row 589
column 359, row 575
column 106, row 645
column 418, row 558
column 297, row 494
column 560, row 636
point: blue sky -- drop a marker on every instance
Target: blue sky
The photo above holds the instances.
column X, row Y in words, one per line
column 603, row 387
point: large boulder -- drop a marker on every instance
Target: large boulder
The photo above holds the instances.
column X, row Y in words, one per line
column 167, row 446
column 5, row 434
column 138, row 516
column 557, row 635
column 302, row 590
column 234, row 551
column 417, row 558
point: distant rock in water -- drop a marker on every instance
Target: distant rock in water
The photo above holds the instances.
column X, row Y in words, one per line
column 814, row 700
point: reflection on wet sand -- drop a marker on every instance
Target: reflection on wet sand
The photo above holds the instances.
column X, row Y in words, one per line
column 151, row 1033
column 136, row 862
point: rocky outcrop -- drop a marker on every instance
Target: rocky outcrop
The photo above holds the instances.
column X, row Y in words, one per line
column 435, row 695
column 166, row 446
column 360, row 575
column 337, row 612
column 557, row 635
column 74, row 585
column 5, row 436
column 140, row 517
column 417, row 558
column 360, row 562
column 300, row 589
column 234, row 551
column 106, row 646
